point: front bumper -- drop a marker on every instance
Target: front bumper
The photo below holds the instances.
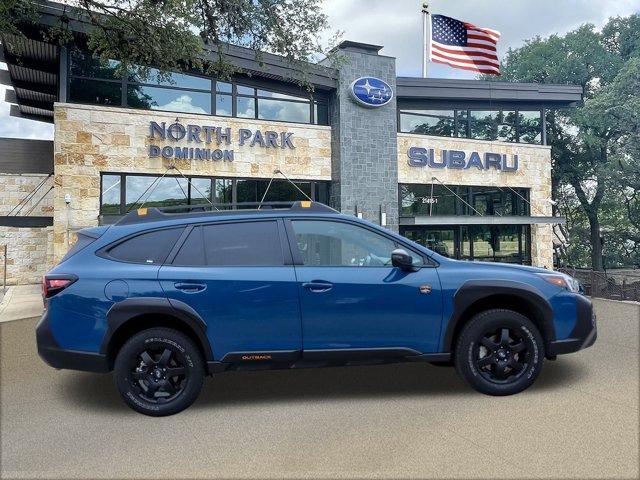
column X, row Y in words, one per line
column 583, row 334
column 58, row 357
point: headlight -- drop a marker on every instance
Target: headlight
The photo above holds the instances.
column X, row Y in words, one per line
column 563, row 281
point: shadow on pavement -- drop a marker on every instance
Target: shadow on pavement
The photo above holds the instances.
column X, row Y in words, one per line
column 96, row 391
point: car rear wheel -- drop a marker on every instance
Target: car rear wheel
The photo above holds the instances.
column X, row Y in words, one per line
column 159, row 372
column 499, row 352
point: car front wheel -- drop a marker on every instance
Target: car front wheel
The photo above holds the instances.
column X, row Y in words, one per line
column 159, row 372
column 499, row 352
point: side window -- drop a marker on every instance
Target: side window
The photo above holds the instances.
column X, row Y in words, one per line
column 150, row 248
column 243, row 244
column 337, row 244
column 191, row 254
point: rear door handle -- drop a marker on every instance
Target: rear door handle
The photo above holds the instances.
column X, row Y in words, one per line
column 190, row 287
column 318, row 286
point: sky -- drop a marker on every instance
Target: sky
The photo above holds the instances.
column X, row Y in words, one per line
column 397, row 25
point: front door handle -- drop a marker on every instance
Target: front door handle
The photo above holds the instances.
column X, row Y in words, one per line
column 318, row 286
column 190, row 287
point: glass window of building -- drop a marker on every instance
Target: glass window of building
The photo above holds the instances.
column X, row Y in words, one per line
column 503, row 125
column 153, row 191
column 157, row 98
column 93, row 81
column 440, row 123
column 530, row 127
column 95, row 92
column 495, row 243
column 200, row 191
column 110, row 188
column 421, row 199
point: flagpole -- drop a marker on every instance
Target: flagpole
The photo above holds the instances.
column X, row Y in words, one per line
column 426, row 37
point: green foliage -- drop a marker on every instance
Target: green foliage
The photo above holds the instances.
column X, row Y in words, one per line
column 172, row 35
column 596, row 146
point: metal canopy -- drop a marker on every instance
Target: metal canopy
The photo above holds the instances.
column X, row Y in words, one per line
column 479, row 220
column 470, row 92
column 33, row 74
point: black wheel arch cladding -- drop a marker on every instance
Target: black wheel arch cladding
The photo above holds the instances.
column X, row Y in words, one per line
column 184, row 316
column 472, row 296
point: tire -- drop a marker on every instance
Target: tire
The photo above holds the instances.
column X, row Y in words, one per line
column 498, row 363
column 143, row 371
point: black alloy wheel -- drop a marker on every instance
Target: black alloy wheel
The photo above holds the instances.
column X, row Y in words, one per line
column 159, row 372
column 499, row 352
column 502, row 355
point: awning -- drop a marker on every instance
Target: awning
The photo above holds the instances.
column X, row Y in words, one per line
column 480, row 220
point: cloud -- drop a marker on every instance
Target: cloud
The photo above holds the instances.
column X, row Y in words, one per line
column 397, row 25
column 19, row 127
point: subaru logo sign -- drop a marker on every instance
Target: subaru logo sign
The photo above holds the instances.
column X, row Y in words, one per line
column 371, row 92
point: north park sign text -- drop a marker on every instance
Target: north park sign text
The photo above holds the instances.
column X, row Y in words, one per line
column 207, row 134
column 457, row 159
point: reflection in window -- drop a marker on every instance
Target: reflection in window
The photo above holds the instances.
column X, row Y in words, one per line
column 428, row 122
column 180, row 80
column 156, row 98
column 283, row 110
column 155, row 192
column 417, row 199
column 224, row 105
column 529, row 126
column 321, row 113
column 147, row 88
column 245, row 107
column 83, row 64
column 503, row 125
column 95, row 92
column 283, row 191
column 110, row 202
column 224, row 190
column 200, row 191
column 440, row 241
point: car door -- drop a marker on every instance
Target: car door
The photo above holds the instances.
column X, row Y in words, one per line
column 351, row 296
column 239, row 279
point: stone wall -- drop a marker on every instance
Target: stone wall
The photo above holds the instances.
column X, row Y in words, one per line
column 364, row 142
column 29, row 250
column 92, row 139
column 534, row 173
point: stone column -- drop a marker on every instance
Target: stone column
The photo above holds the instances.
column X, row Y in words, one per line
column 364, row 140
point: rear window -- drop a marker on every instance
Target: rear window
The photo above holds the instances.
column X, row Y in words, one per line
column 150, row 247
column 232, row 244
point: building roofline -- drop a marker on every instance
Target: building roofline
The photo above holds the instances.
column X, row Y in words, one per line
column 413, row 88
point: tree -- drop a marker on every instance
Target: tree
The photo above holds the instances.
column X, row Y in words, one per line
column 594, row 146
column 172, row 35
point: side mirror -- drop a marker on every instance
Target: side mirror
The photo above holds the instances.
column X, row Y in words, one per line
column 401, row 259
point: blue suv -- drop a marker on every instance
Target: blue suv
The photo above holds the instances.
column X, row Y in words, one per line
column 164, row 298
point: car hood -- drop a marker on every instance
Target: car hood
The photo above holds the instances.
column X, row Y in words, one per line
column 511, row 266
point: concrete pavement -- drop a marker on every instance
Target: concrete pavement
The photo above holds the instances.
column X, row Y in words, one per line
column 21, row 301
column 580, row 420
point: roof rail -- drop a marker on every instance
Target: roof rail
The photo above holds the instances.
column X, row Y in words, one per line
column 149, row 214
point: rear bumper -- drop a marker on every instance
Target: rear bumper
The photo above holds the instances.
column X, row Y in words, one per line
column 583, row 335
column 58, row 357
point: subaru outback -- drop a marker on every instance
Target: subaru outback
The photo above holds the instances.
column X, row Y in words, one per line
column 163, row 298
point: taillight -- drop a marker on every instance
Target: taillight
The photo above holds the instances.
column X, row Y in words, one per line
column 52, row 284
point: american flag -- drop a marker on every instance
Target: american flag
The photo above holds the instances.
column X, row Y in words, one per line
column 463, row 45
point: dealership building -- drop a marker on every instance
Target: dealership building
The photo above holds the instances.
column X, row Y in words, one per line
column 461, row 166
